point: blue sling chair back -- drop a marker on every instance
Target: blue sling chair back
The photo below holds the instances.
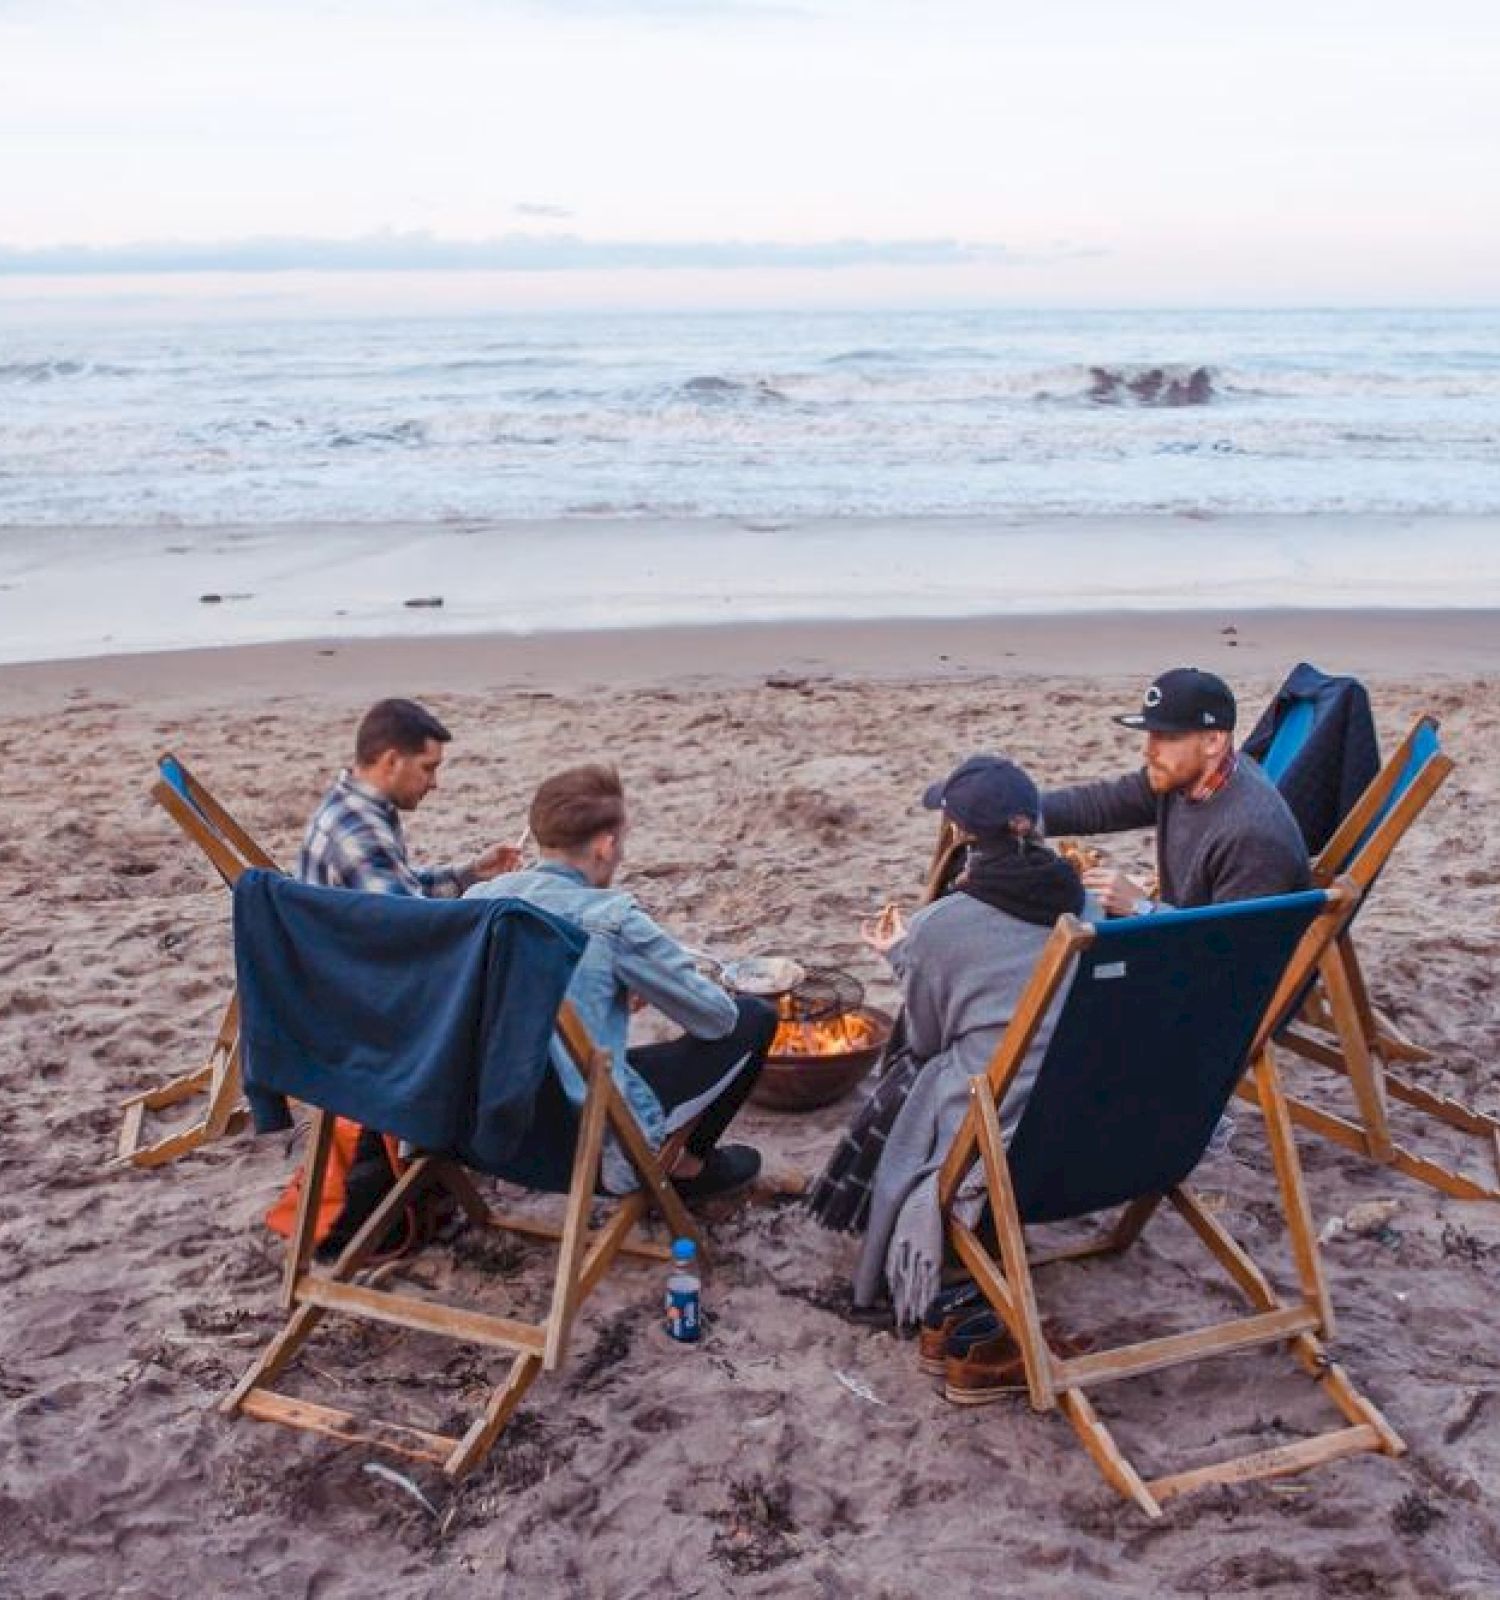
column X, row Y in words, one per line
column 1160, row 1019
column 354, row 1005
column 1340, row 1028
column 1317, row 742
column 231, row 850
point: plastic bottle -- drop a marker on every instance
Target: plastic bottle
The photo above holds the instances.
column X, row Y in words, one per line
column 683, row 1289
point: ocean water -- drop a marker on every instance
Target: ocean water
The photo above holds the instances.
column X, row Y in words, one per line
column 763, row 416
column 208, row 484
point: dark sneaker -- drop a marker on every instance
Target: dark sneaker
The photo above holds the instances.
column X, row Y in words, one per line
column 726, row 1167
column 946, row 1310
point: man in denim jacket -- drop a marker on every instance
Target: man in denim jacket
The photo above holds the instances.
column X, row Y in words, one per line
column 578, row 818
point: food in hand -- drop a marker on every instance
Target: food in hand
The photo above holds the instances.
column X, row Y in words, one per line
column 888, row 920
column 1080, row 856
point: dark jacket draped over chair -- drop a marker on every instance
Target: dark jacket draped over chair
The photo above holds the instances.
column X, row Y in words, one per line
column 427, row 1019
column 1317, row 743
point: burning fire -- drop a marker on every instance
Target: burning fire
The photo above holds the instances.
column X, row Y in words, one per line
column 832, row 1036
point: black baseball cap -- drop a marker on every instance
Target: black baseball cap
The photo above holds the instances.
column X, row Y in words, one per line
column 1184, row 700
column 983, row 794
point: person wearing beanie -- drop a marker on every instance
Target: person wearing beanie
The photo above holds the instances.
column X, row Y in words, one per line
column 1223, row 832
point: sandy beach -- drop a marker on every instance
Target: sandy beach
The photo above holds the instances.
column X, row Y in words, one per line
column 773, row 772
column 87, row 591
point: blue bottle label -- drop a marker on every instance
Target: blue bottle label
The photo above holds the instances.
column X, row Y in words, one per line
column 682, row 1315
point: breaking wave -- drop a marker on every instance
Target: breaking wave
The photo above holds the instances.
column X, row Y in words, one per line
column 765, row 415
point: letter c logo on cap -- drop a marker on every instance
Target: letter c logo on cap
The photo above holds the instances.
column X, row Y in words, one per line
column 1152, row 697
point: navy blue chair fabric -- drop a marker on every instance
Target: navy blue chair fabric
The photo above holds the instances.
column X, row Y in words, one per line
column 1317, row 742
column 1152, row 1039
column 427, row 1019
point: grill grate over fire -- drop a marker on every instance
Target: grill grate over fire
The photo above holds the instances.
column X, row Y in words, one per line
column 822, row 1016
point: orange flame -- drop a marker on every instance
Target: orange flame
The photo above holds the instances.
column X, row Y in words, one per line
column 832, row 1036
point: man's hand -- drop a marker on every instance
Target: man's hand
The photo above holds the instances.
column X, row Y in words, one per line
column 492, row 862
column 1114, row 891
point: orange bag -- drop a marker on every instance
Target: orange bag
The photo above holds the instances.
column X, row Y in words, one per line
column 342, row 1149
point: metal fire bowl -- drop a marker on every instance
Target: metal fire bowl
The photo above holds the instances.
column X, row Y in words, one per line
column 803, row 1083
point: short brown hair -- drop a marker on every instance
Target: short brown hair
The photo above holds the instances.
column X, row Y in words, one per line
column 572, row 807
column 400, row 725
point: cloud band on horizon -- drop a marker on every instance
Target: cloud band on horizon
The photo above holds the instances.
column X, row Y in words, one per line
column 512, row 252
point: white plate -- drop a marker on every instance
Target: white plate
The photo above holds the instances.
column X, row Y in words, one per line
column 764, row 975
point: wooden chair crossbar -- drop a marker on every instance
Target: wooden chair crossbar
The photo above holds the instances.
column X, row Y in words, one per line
column 1340, row 1029
column 585, row 1254
column 1005, row 1269
column 231, row 850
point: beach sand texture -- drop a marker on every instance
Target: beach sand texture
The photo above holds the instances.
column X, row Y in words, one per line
column 774, row 781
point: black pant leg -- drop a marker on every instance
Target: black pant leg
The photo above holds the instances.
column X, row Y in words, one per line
column 683, row 1068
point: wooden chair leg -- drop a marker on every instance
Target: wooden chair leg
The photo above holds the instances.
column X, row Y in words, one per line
column 1385, row 1037
column 226, row 1093
column 652, row 1171
column 1295, row 1205
column 218, row 1080
column 574, row 1242
column 1225, row 1248
column 460, row 1185
column 477, row 1443
column 1028, row 1333
column 1394, row 1045
column 1338, row 1130
column 303, row 1241
column 1110, row 1459
column 1126, row 1230
column 1365, row 1076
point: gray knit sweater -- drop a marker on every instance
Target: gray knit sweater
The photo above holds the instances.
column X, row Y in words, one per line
column 1239, row 844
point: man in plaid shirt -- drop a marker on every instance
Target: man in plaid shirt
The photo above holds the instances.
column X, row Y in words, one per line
column 354, row 840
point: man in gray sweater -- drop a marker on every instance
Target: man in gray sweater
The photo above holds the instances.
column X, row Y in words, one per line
column 1223, row 832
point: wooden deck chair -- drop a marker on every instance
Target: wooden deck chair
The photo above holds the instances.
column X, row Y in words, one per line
column 1339, row 1026
column 1159, row 1019
column 231, row 850
column 564, row 1154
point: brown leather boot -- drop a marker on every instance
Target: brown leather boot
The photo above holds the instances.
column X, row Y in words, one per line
column 953, row 1305
column 982, row 1362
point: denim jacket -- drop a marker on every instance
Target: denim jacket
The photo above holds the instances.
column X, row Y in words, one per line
column 626, row 952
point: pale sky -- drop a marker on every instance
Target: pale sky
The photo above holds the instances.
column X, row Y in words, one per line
column 728, row 152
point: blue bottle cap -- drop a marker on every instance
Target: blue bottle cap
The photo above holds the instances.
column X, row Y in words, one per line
column 683, row 1250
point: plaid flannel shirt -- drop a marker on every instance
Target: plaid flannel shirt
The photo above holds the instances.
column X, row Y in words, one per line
column 354, row 841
